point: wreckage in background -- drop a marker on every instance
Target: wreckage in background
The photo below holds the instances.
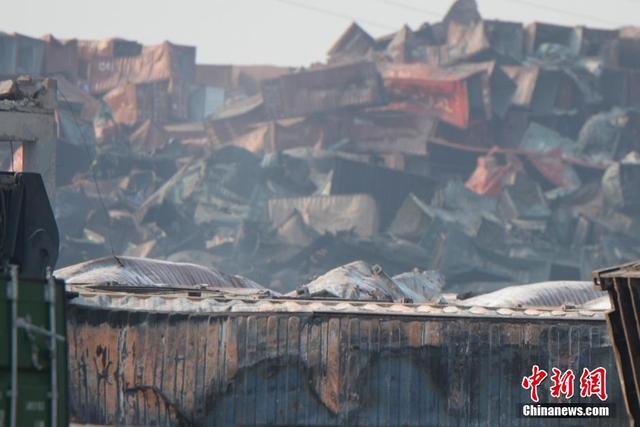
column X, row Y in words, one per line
column 493, row 152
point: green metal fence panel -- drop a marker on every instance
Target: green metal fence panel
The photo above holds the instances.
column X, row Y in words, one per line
column 33, row 378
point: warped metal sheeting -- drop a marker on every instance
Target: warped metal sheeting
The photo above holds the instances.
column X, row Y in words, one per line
column 545, row 294
column 131, row 271
column 356, row 280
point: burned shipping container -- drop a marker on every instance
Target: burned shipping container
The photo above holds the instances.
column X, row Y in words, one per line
column 220, row 359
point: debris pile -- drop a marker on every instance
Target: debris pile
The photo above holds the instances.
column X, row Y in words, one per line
column 493, row 152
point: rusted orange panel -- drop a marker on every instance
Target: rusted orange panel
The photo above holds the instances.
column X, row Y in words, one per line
column 490, row 176
column 446, row 93
column 132, row 104
column 61, row 57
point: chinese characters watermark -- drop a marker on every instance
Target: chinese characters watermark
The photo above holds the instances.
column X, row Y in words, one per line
column 592, row 383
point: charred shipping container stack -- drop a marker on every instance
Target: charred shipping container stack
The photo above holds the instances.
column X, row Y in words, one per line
column 358, row 208
column 512, row 144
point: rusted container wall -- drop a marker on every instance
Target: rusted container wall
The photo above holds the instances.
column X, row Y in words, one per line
column 155, row 64
column 138, row 368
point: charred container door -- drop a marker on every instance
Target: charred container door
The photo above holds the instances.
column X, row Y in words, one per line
column 623, row 285
column 321, row 369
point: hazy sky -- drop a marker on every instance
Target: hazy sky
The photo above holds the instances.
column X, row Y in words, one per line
column 286, row 32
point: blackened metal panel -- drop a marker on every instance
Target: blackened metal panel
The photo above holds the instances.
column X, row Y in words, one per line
column 624, row 329
column 276, row 368
column 620, row 87
column 388, row 187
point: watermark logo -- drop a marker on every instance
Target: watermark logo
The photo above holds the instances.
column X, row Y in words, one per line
column 562, row 383
column 592, row 383
column 532, row 382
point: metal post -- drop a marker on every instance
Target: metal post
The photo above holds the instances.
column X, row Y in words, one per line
column 12, row 295
column 51, row 299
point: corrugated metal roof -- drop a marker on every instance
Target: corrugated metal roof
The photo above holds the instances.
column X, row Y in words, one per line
column 548, row 294
column 229, row 301
column 134, row 272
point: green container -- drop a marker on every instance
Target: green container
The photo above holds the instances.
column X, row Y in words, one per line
column 36, row 372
